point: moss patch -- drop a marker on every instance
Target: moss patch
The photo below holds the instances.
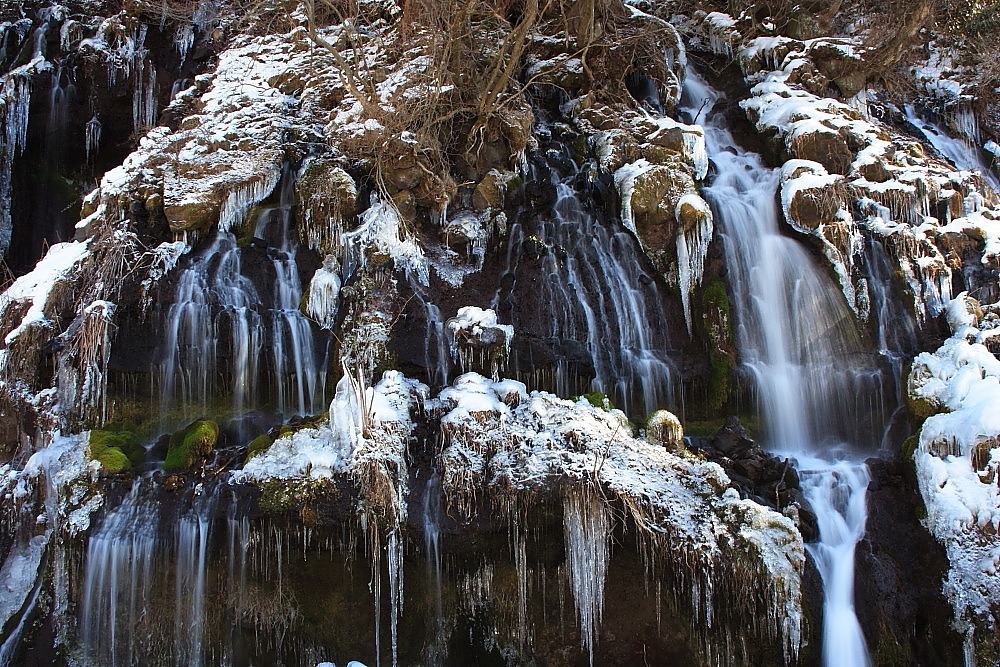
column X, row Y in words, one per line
column 259, row 444
column 279, row 495
column 909, row 446
column 115, row 451
column 191, row 444
column 599, row 400
column 716, row 321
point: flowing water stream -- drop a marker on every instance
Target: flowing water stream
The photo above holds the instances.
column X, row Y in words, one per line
column 820, row 395
column 605, row 307
column 221, row 331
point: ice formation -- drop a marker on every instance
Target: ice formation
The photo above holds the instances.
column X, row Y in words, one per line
column 958, row 457
column 499, row 441
column 478, row 340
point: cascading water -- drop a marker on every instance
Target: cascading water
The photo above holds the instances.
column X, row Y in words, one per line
column 213, row 296
column 821, row 397
column 298, row 373
column 608, row 305
column 128, row 564
column 219, row 319
column 963, row 152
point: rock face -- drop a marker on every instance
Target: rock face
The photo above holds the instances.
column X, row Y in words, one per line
column 408, row 195
column 766, row 479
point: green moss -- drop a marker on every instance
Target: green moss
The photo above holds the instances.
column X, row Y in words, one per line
column 599, row 400
column 920, row 408
column 279, row 495
column 909, row 446
column 113, row 460
column 258, row 445
column 708, row 427
column 125, row 441
column 190, row 444
column 716, row 319
column 103, row 448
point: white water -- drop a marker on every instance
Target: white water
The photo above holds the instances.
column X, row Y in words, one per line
column 600, row 299
column 796, row 337
column 218, row 323
column 213, row 297
column 963, row 152
column 298, row 372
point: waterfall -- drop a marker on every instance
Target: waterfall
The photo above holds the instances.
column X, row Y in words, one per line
column 220, row 319
column 820, row 394
column 602, row 304
column 213, row 297
column 963, row 152
column 837, row 493
column 298, row 373
column 118, row 577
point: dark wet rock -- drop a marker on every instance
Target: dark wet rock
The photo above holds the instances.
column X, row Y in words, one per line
column 766, row 479
column 247, row 426
column 900, row 568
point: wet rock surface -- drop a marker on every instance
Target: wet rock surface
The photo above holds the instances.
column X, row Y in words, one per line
column 900, row 570
column 758, row 475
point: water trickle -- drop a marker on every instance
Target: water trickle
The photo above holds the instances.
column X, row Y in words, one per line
column 601, row 303
column 432, row 515
column 60, row 97
column 191, row 540
column 963, row 152
column 820, row 393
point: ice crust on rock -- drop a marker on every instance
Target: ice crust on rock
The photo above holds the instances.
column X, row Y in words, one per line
column 958, row 458
column 339, row 446
column 498, row 438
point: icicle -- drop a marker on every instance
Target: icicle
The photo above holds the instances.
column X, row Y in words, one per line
column 692, row 248
column 16, row 101
column 93, row 139
column 240, row 200
column 587, row 531
column 183, row 41
column 521, row 565
column 625, row 182
column 395, row 563
column 382, row 229
column 324, row 293
column 144, row 109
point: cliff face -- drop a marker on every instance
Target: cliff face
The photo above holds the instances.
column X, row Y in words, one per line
column 288, row 247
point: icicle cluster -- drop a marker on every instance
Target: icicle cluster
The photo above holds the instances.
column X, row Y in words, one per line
column 587, row 530
column 692, row 248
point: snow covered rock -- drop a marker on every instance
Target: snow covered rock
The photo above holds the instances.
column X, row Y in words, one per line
column 501, row 442
column 958, row 458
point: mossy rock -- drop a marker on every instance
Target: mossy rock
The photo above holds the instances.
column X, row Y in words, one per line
column 113, row 460
column 920, row 408
column 117, row 452
column 716, row 322
column 259, row 444
column 191, row 444
column 909, row 446
column 599, row 400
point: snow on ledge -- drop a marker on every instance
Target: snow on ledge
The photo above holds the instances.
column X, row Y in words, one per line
column 958, row 458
